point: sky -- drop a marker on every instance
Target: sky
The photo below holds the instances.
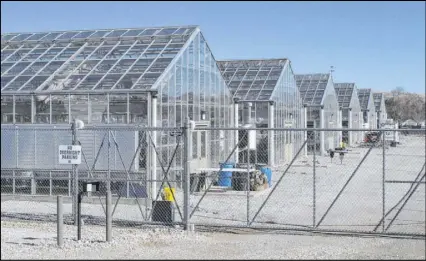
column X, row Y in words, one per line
column 378, row 45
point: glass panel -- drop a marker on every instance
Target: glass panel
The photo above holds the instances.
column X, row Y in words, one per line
column 98, row 108
column 116, row 33
column 68, row 35
column 138, row 107
column 167, row 31
column 5, row 67
column 60, row 109
column 42, row 105
column 108, row 82
column 23, row 109
column 35, row 67
column 21, row 37
column 6, row 109
column 35, row 82
column 51, row 36
column 65, row 55
column 133, row 32
column 50, row 54
column 149, row 31
column 5, row 81
column 117, row 108
column 123, row 65
column 194, row 144
column 203, row 144
column 17, row 83
column 36, row 37
column 83, row 34
column 127, row 81
column 51, row 68
column 80, row 107
column 99, row 34
column 19, row 67
column 8, row 37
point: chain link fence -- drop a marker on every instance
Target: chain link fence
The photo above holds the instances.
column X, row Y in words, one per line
column 207, row 176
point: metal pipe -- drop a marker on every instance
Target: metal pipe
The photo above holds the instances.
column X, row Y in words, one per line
column 154, row 142
column 383, row 182
column 248, row 187
column 108, row 187
column 60, row 222
column 404, row 181
column 314, row 182
column 80, row 196
column 75, row 176
column 108, row 216
column 187, row 133
column 236, row 118
column 271, row 142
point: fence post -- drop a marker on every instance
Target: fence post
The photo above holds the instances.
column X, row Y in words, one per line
column 75, row 177
column 108, row 216
column 60, row 222
column 248, row 186
column 383, row 182
column 186, row 172
column 314, row 181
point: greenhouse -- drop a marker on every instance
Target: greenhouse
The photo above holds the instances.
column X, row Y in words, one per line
column 347, row 95
column 380, row 107
column 265, row 95
column 322, row 110
column 368, row 108
column 154, row 77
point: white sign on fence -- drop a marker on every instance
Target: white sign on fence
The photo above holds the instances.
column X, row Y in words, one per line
column 69, row 154
column 288, row 124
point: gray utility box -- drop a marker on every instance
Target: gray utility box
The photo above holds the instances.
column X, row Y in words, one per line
column 163, row 211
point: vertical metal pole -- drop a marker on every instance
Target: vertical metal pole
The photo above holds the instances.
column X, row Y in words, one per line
column 154, row 141
column 60, row 222
column 350, row 126
column 271, row 142
column 75, row 177
column 322, row 134
column 383, row 182
column 314, row 181
column 305, row 125
column 79, row 217
column 108, row 187
column 186, row 171
column 248, row 186
column 108, row 216
column 236, row 117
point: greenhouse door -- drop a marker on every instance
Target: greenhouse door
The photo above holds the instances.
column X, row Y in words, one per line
column 199, row 150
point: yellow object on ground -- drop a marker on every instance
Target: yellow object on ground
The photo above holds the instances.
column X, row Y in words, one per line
column 168, row 194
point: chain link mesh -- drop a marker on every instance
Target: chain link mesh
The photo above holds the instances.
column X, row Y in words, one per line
column 275, row 178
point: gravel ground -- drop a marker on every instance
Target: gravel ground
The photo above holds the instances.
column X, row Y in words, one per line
column 37, row 240
column 358, row 208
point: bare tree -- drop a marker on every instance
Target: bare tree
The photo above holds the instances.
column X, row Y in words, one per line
column 404, row 106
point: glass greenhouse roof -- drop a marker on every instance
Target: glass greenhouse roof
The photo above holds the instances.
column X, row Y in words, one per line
column 364, row 97
column 312, row 87
column 378, row 98
column 90, row 60
column 252, row 79
column 344, row 93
